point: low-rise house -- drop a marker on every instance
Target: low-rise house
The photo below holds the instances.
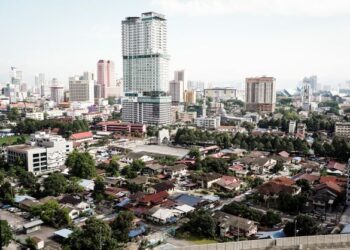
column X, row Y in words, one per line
column 152, row 169
column 72, row 212
column 167, row 186
column 239, row 170
column 27, row 204
column 262, row 164
column 75, row 202
column 32, row 226
column 190, row 200
column 176, row 171
column 206, row 180
column 326, row 193
column 116, row 192
column 232, row 226
column 311, row 178
column 279, row 185
column 335, row 168
column 227, row 183
column 153, row 199
column 139, row 180
column 38, row 243
column 130, row 157
column 82, row 137
column 88, row 185
column 162, row 215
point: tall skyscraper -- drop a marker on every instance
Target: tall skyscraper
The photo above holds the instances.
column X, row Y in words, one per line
column 81, row 88
column 57, row 94
column 260, row 94
column 312, row 80
column 176, row 91
column 306, row 95
column 105, row 75
column 145, row 58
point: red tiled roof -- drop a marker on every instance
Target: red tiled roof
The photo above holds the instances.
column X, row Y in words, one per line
column 284, row 154
column 309, row 177
column 330, row 185
column 82, row 135
column 340, row 181
column 336, row 165
column 154, row 198
column 284, row 181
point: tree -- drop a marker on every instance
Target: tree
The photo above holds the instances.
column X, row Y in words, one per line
column 137, row 165
column 27, row 179
column 243, row 211
column 152, row 131
column 52, row 214
column 73, row 186
column 95, row 234
column 99, row 188
column 55, row 184
column 122, row 225
column 201, row 223
column 194, row 153
column 6, row 193
column 112, row 169
column 270, row 219
column 278, row 167
column 81, row 164
column 303, row 224
column 6, row 233
column 304, row 184
column 14, row 114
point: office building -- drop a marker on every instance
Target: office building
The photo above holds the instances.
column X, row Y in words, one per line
column 148, row 108
column 44, row 153
column 57, row 94
column 176, row 91
column 105, row 75
column 195, row 85
column 190, row 96
column 115, row 90
column 342, row 129
column 208, row 122
column 221, row 94
column 145, row 58
column 260, row 94
column 81, row 88
column 180, row 76
column 312, row 80
column 292, row 127
column 306, row 94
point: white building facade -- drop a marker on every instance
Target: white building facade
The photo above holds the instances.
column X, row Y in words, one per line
column 145, row 58
column 81, row 88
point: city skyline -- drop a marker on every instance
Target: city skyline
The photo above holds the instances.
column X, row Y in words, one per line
column 213, row 43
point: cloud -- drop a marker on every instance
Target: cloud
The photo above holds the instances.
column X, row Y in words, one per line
column 315, row 8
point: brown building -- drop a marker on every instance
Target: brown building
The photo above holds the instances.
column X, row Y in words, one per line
column 260, row 94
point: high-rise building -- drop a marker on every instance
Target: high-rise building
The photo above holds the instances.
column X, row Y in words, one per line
column 105, row 75
column 176, row 91
column 57, row 94
column 195, row 85
column 292, row 127
column 190, row 96
column 81, row 88
column 260, row 94
column 306, row 95
column 180, row 75
column 145, row 58
column 148, row 108
column 312, row 80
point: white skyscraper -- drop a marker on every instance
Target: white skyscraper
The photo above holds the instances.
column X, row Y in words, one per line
column 145, row 58
column 81, row 88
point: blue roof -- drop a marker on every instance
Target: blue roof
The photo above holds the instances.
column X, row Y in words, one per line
column 19, row 198
column 272, row 234
column 123, row 202
column 188, row 199
column 136, row 232
column 346, row 229
column 64, row 233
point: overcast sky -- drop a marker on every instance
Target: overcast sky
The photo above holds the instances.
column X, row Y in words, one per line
column 214, row 40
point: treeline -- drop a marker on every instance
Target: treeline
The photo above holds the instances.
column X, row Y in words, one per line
column 339, row 148
column 314, row 123
column 29, row 126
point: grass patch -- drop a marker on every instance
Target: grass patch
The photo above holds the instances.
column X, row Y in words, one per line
column 195, row 239
column 10, row 140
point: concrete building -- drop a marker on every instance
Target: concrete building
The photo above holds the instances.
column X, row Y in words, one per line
column 149, row 108
column 218, row 94
column 195, row 85
column 176, row 91
column 190, row 97
column 145, row 58
column 301, row 130
column 208, row 122
column 57, row 94
column 260, row 94
column 342, row 129
column 312, row 80
column 81, row 88
column 35, row 116
column 44, row 153
column 306, row 95
column 105, row 75
column 292, row 127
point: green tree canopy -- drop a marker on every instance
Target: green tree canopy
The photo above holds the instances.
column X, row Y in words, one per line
column 122, row 225
column 303, row 224
column 55, row 184
column 52, row 214
column 81, row 164
column 6, row 233
column 201, row 223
